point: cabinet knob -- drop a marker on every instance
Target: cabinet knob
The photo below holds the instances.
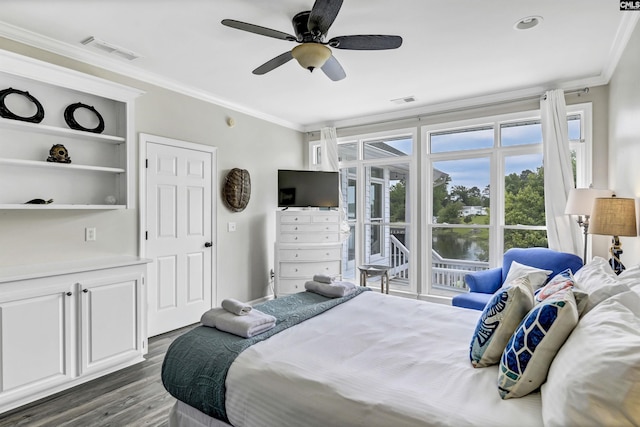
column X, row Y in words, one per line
column 85, row 290
column 208, row 244
column 69, row 294
column 296, row 256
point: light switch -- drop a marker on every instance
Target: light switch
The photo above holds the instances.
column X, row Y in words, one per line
column 231, row 226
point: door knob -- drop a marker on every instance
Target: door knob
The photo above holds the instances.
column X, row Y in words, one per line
column 208, row 245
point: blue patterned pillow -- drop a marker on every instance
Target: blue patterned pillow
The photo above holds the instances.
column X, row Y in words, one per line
column 526, row 359
column 501, row 316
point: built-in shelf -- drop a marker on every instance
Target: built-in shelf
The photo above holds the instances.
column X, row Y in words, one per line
column 53, row 165
column 57, row 131
column 55, row 206
column 102, row 167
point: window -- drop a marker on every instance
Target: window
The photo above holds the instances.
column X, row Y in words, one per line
column 485, row 191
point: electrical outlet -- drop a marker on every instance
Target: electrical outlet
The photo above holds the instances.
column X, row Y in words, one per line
column 272, row 274
column 90, row 234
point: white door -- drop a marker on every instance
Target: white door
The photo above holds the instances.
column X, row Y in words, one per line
column 179, row 232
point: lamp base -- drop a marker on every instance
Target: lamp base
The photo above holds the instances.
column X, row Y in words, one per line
column 616, row 250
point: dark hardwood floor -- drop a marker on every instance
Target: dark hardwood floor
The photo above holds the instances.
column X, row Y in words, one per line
column 133, row 396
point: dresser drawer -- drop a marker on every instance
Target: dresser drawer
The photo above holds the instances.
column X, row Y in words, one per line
column 295, row 219
column 314, row 254
column 309, row 228
column 290, row 286
column 309, row 238
column 326, row 218
column 307, row 270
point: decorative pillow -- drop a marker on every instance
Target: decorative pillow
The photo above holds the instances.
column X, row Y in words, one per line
column 530, row 350
column 561, row 281
column 594, row 379
column 501, row 316
column 537, row 277
column 598, row 280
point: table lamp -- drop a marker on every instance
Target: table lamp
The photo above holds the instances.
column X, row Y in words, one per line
column 580, row 202
column 615, row 216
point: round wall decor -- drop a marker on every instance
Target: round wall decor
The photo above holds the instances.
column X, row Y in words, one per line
column 7, row 114
column 73, row 124
column 237, row 189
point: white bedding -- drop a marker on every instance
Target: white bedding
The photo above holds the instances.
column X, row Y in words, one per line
column 376, row 360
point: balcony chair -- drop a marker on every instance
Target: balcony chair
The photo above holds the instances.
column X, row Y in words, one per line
column 482, row 284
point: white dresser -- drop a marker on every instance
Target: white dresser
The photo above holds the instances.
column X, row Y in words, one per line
column 307, row 243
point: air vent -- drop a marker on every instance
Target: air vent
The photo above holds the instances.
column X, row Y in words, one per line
column 110, row 48
column 404, row 100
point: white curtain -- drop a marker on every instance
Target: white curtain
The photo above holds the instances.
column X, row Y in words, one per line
column 562, row 231
column 329, row 162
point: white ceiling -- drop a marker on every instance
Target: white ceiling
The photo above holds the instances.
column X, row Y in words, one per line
column 455, row 53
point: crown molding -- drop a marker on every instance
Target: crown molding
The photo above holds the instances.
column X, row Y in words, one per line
column 48, row 44
column 627, row 25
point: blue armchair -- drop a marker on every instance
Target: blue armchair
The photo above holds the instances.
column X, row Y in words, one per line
column 482, row 284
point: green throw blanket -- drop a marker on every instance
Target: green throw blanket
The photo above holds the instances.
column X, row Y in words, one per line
column 196, row 364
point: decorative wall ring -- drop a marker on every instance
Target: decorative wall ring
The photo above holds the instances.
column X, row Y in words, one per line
column 4, row 111
column 73, row 124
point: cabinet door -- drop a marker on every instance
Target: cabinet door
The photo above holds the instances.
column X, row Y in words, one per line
column 35, row 341
column 110, row 321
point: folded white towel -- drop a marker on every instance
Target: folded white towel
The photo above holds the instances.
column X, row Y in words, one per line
column 236, row 307
column 322, row 278
column 253, row 323
column 209, row 316
column 331, row 290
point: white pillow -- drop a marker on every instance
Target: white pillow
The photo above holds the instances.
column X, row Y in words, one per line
column 537, row 276
column 631, row 276
column 594, row 379
column 598, row 280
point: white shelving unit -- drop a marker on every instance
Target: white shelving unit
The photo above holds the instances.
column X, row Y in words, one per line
column 101, row 163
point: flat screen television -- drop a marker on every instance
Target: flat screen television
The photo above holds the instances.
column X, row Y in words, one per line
column 301, row 189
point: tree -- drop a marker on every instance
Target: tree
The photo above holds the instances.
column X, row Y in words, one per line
column 397, row 201
column 524, row 205
column 450, row 214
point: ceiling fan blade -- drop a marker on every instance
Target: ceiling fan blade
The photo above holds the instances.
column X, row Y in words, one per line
column 333, row 69
column 256, row 29
column 322, row 15
column 366, row 42
column 273, row 63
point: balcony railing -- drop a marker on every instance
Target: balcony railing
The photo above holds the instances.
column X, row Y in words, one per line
column 449, row 273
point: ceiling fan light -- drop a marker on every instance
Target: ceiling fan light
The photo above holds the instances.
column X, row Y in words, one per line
column 311, row 55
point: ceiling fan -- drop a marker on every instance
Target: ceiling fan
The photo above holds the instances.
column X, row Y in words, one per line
column 311, row 29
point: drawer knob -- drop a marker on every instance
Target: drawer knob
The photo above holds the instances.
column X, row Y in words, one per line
column 69, row 294
column 296, row 256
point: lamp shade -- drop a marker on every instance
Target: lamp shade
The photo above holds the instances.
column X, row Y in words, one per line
column 614, row 216
column 311, row 55
column 580, row 201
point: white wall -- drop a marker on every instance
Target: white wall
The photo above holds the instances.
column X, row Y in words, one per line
column 624, row 135
column 244, row 257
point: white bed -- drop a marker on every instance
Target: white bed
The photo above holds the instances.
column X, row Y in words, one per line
column 380, row 360
column 375, row 360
